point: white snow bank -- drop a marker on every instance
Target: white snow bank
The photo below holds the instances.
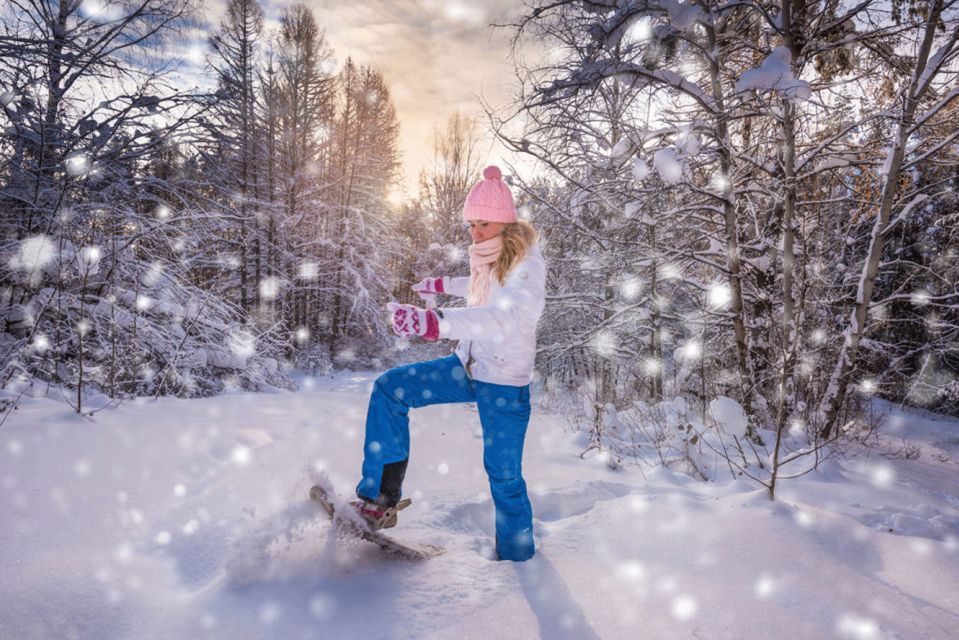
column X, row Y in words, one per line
column 189, row 518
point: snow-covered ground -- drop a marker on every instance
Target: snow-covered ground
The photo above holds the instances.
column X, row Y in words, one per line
column 189, row 519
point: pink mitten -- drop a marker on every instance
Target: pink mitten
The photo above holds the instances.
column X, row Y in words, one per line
column 428, row 288
column 413, row 321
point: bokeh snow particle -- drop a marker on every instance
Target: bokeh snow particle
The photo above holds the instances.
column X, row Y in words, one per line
column 89, row 260
column 144, row 302
column 631, row 571
column 240, row 455
column 101, row 11
column 764, row 587
column 322, row 606
column 882, row 475
column 691, row 350
column 40, row 343
column 630, row 287
column 34, row 253
column 308, row 270
column 803, row 519
column 797, row 429
column 718, row 295
column 163, row 212
column 668, row 165
column 859, row 628
column 669, row 271
column 82, row 467
column 638, row 504
column 605, row 343
column 464, row 13
column 78, row 165
column 683, row 607
column 153, row 275
column 270, row 288
column 269, row 613
column 179, row 490
column 720, row 182
column 640, row 169
column 123, row 553
column 241, row 343
column 302, row 335
column 920, row 298
column 443, row 469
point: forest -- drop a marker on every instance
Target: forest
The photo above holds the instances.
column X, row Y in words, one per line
column 748, row 211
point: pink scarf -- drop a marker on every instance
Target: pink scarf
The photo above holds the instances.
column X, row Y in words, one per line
column 482, row 257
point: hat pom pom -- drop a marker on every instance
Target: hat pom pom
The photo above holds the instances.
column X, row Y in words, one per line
column 492, row 172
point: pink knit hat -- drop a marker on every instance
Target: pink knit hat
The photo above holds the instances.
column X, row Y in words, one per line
column 490, row 199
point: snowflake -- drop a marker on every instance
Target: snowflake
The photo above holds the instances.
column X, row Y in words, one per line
column 101, row 11
column 34, row 254
column 630, row 287
column 605, row 343
column 764, row 587
column 852, row 626
column 684, row 607
column 691, row 350
column 89, row 260
column 920, row 298
column 78, row 165
column 308, row 270
column 241, row 343
column 718, row 295
column 270, row 288
column 40, row 343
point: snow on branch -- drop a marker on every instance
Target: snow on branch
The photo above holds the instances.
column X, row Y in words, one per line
column 775, row 74
column 591, row 74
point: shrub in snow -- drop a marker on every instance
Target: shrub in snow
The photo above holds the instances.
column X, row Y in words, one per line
column 947, row 399
column 98, row 335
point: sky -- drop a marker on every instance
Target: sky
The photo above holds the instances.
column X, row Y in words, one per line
column 437, row 56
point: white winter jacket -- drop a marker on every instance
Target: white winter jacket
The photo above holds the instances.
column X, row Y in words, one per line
column 498, row 340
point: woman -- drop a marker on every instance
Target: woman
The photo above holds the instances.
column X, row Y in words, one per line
column 492, row 366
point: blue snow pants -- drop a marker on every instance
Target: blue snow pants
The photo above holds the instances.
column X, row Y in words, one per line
column 504, row 414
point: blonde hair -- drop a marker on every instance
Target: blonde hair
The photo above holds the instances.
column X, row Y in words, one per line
column 517, row 238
